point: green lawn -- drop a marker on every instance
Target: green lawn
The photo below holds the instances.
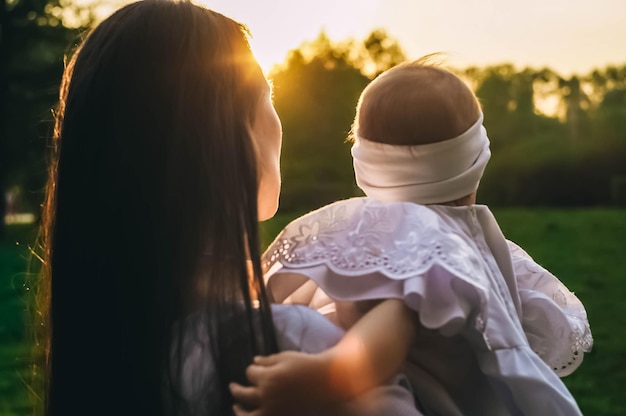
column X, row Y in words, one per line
column 584, row 248
column 15, row 290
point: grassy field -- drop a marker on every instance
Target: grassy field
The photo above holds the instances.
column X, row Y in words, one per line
column 15, row 291
column 585, row 248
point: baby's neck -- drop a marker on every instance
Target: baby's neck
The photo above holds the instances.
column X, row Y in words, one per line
column 466, row 200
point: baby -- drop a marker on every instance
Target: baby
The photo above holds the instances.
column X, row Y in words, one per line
column 421, row 277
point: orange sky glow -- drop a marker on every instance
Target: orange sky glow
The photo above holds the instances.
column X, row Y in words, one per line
column 569, row 36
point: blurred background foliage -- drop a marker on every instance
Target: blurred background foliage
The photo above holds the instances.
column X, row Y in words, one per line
column 35, row 37
column 557, row 141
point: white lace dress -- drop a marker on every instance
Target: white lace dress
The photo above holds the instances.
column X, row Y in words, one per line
column 496, row 328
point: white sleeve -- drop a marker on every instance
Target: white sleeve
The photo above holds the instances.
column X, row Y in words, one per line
column 553, row 318
column 304, row 329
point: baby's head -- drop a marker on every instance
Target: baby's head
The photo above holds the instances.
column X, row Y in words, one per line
column 415, row 103
column 419, row 137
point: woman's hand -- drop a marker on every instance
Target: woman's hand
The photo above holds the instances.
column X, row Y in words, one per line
column 286, row 383
column 296, row 383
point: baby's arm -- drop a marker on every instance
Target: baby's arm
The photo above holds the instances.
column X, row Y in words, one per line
column 371, row 352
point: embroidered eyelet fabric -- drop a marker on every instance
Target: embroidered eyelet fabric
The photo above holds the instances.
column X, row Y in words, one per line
column 554, row 319
column 376, row 250
column 452, row 266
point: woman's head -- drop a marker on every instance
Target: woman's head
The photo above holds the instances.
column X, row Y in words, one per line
column 152, row 199
column 177, row 79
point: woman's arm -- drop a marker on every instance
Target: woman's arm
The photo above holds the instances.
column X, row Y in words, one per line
column 370, row 354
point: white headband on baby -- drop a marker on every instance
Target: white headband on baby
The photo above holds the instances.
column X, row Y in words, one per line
column 425, row 174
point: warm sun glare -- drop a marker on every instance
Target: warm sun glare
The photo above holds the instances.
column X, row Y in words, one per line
column 569, row 36
column 279, row 26
column 265, row 56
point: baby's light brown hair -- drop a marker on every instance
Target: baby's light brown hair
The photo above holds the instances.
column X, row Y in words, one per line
column 415, row 103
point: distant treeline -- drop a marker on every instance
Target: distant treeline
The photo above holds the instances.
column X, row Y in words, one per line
column 575, row 155
column 555, row 141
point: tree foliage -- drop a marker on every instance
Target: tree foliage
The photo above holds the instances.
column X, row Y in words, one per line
column 34, row 37
column 570, row 154
column 315, row 94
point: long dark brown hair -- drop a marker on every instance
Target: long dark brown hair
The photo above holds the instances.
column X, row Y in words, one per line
column 151, row 213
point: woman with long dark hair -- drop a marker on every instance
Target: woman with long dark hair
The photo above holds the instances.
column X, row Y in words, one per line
column 166, row 154
column 151, row 210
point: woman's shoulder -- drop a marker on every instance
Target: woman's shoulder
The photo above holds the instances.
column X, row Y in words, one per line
column 191, row 364
column 297, row 328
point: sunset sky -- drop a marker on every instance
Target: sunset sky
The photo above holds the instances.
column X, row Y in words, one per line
column 569, row 36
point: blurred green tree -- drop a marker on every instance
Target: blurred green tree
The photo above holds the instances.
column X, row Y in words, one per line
column 606, row 80
column 315, row 92
column 381, row 52
column 34, row 37
column 575, row 104
column 507, row 96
